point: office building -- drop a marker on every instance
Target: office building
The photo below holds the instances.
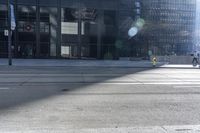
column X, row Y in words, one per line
column 98, row 29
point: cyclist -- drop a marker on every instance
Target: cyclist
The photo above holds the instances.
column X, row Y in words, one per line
column 195, row 61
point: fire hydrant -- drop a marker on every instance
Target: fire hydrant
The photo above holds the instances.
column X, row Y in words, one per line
column 154, row 61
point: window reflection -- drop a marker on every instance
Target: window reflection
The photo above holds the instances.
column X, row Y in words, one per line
column 3, row 25
column 99, row 29
column 70, row 27
column 26, row 31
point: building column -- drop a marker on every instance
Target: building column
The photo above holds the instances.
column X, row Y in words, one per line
column 37, row 29
column 15, row 52
column 58, row 45
column 118, row 38
column 53, row 31
column 79, row 33
column 99, row 34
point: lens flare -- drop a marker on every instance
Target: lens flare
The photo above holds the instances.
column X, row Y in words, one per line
column 140, row 23
column 132, row 31
column 136, row 27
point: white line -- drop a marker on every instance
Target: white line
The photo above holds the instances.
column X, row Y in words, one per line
column 4, row 88
column 136, row 129
column 154, row 83
column 186, row 86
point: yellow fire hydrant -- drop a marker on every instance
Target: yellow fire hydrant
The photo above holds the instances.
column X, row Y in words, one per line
column 154, row 61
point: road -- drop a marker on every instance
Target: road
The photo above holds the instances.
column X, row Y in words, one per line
column 99, row 99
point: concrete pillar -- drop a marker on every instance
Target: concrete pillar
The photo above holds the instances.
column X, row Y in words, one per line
column 99, row 34
column 58, row 43
column 53, row 31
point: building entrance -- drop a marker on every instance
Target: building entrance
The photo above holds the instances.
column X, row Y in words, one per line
column 26, row 46
column 37, row 36
column 79, row 33
column 26, row 37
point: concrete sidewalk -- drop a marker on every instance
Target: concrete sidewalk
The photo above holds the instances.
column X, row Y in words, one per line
column 91, row 63
column 77, row 63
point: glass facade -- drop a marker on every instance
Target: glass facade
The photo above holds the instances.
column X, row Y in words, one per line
column 48, row 31
column 3, row 25
column 93, row 29
column 171, row 26
column 26, row 27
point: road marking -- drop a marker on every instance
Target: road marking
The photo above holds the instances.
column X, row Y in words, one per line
column 138, row 129
column 4, row 88
column 153, row 83
column 116, row 83
column 186, row 86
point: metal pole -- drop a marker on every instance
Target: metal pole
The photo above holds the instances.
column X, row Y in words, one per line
column 9, row 36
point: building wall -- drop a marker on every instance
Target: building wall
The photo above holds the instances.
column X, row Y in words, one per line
column 99, row 28
column 170, row 25
column 197, row 26
column 130, row 11
column 63, row 28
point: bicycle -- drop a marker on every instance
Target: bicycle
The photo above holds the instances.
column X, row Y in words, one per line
column 195, row 62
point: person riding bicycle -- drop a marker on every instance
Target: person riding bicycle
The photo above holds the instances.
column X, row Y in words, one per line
column 195, row 58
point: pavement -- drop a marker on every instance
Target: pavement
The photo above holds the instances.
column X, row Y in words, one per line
column 49, row 99
column 91, row 63
column 71, row 63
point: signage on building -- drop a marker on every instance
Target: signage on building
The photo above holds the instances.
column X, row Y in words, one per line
column 5, row 32
column 28, row 27
column 13, row 23
column 71, row 28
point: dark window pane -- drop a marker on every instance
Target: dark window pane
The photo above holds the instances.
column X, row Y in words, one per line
column 27, row 2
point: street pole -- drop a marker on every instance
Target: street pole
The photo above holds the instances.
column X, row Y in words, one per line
column 9, row 35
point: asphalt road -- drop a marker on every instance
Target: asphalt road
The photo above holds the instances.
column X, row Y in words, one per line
column 94, row 99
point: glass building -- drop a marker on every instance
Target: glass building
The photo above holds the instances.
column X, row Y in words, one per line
column 98, row 29
column 170, row 26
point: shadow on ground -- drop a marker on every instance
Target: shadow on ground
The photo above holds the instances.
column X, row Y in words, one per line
column 20, row 92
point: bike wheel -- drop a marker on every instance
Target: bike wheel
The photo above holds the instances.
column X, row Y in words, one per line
column 194, row 64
